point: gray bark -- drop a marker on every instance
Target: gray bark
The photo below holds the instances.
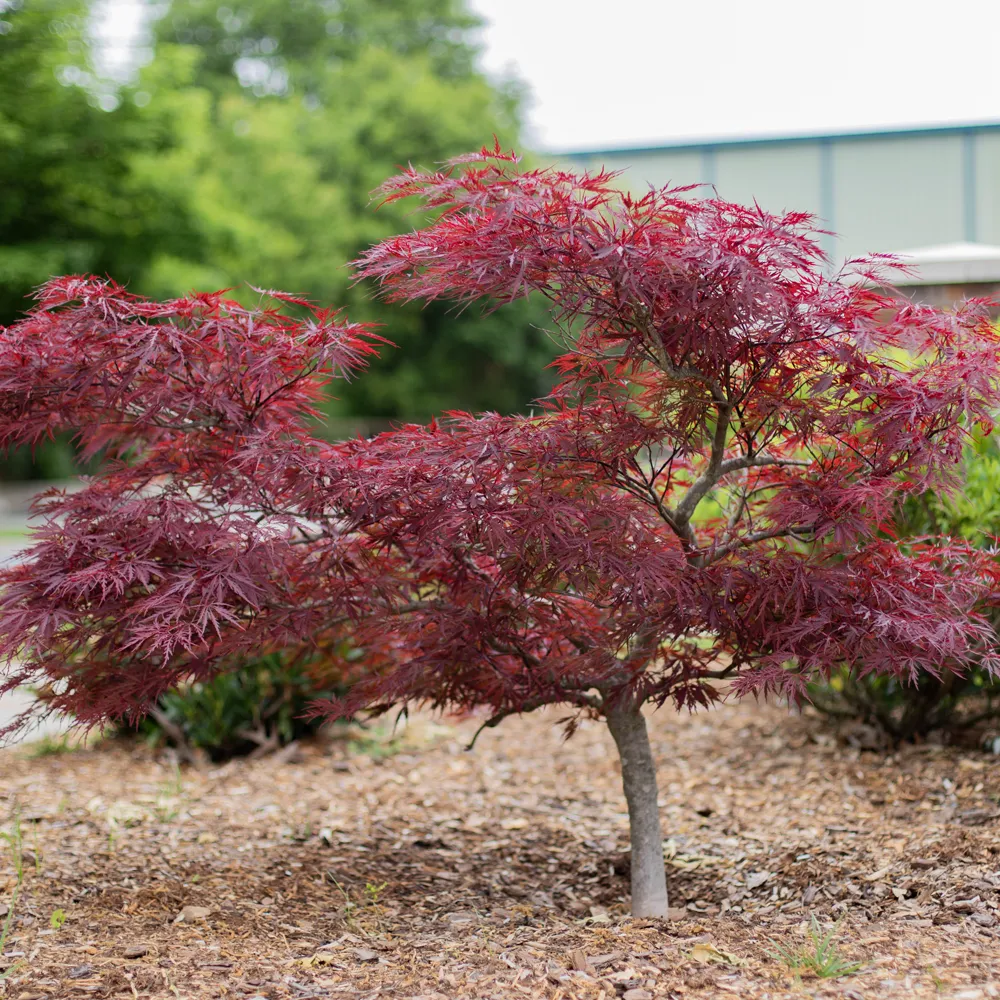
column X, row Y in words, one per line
column 649, row 880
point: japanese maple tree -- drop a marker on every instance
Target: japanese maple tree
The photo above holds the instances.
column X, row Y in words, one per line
column 700, row 506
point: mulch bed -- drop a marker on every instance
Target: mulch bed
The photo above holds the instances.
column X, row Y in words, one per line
column 415, row 869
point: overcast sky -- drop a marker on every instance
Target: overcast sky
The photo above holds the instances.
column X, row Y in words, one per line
column 633, row 72
column 605, row 73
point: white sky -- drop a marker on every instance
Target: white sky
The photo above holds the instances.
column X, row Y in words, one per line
column 605, row 73
column 635, row 72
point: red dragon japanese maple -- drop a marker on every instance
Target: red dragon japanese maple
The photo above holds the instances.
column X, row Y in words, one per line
column 700, row 506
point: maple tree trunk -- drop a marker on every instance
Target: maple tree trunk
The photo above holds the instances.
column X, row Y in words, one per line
column 649, row 880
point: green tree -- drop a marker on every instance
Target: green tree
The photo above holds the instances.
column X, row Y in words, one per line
column 244, row 154
column 297, row 111
column 71, row 199
column 301, row 40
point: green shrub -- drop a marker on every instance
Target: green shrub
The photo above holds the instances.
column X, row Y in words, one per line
column 973, row 511
column 950, row 703
column 48, row 460
column 255, row 708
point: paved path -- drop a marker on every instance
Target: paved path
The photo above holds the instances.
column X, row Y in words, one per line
column 13, row 538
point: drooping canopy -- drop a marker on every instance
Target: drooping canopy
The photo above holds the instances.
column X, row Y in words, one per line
column 705, row 494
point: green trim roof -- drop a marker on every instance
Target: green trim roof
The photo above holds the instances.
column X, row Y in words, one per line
column 793, row 139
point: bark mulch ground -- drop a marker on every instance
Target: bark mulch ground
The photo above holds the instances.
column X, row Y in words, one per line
column 414, row 869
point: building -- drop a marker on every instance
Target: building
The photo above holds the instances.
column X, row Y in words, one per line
column 939, row 276
column 931, row 192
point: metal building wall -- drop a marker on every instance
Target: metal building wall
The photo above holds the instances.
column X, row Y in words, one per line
column 880, row 191
column 987, row 170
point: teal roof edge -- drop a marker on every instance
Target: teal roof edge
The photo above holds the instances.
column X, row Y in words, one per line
column 696, row 145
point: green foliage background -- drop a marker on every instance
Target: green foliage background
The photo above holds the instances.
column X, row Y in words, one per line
column 245, row 152
column 949, row 703
column 971, row 512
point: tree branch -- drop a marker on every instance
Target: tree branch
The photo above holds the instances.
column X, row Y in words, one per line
column 712, row 473
column 760, row 536
column 578, row 698
column 758, row 461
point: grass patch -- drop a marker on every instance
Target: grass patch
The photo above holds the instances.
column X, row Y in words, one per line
column 818, row 957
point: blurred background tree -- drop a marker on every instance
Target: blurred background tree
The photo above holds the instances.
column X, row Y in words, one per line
column 245, row 151
column 72, row 199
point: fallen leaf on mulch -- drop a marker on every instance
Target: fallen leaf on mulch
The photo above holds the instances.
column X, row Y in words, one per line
column 320, row 958
column 704, row 953
column 192, row 914
column 880, row 874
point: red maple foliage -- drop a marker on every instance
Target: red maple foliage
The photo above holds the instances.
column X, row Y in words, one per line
column 701, row 504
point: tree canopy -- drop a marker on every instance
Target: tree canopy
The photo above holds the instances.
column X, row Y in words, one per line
column 705, row 497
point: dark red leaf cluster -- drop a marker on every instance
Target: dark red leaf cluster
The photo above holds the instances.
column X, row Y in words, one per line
column 703, row 499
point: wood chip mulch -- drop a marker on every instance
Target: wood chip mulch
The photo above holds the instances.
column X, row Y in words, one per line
column 413, row 869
